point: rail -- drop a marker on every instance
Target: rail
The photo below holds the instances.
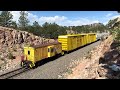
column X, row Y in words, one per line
column 13, row 73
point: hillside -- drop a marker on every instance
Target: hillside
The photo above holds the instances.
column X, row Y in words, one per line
column 12, row 42
column 115, row 23
column 95, row 27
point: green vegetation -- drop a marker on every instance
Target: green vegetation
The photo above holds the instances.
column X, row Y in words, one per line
column 5, row 19
column 99, row 27
column 47, row 30
column 114, row 28
column 10, row 56
column 69, row 71
column 23, row 21
column 116, row 34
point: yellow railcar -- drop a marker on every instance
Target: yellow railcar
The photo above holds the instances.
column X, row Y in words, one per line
column 88, row 39
column 73, row 41
column 39, row 52
column 79, row 40
column 69, row 42
column 84, row 39
column 92, row 37
column 64, row 40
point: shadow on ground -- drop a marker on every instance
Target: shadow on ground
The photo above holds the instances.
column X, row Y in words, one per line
column 44, row 61
column 110, row 58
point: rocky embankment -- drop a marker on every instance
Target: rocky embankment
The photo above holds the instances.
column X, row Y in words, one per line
column 11, row 45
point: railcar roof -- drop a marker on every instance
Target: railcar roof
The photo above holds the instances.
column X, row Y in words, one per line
column 44, row 45
column 91, row 33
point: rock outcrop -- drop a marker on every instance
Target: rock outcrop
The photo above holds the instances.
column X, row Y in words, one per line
column 114, row 23
column 12, row 42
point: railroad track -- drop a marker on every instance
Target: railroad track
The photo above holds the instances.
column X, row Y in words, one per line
column 13, row 73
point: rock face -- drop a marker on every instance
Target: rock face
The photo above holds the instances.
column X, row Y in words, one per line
column 114, row 23
column 12, row 41
column 12, row 37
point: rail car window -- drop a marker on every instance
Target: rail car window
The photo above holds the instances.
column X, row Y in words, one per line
column 28, row 52
column 52, row 49
column 48, row 49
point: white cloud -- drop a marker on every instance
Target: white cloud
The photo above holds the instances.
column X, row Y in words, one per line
column 32, row 18
column 16, row 15
column 113, row 17
column 108, row 17
column 109, row 14
column 52, row 19
column 105, row 23
column 61, row 20
column 78, row 22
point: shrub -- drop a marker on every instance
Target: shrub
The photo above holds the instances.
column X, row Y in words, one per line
column 69, row 71
column 10, row 56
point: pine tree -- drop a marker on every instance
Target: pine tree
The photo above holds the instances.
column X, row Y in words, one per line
column 36, row 24
column 5, row 18
column 14, row 24
column 23, row 21
column 37, row 28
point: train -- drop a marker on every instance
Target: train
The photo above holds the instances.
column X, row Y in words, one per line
column 64, row 44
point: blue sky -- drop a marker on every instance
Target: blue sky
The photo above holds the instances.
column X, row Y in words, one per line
column 68, row 18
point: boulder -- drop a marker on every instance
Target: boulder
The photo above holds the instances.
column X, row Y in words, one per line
column 1, row 63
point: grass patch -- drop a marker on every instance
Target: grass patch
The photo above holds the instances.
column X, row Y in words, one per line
column 10, row 56
column 69, row 71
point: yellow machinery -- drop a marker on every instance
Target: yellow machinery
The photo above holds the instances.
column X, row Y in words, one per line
column 39, row 52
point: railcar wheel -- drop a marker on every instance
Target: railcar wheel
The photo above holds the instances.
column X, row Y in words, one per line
column 62, row 53
column 22, row 64
column 31, row 65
